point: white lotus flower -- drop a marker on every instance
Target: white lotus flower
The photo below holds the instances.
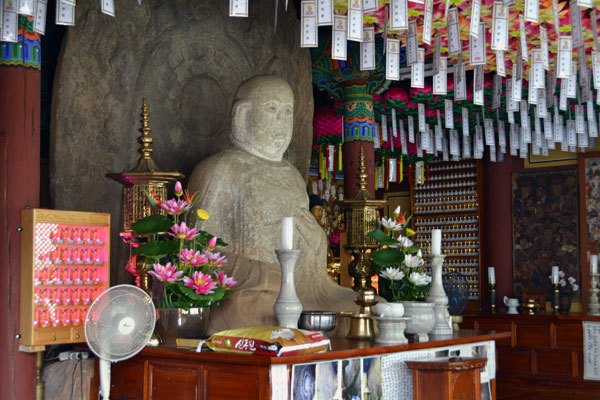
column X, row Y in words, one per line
column 403, row 241
column 562, row 283
column 413, row 261
column 397, row 211
column 561, row 274
column 575, row 287
column 571, row 280
column 393, row 274
column 419, row 279
column 391, row 224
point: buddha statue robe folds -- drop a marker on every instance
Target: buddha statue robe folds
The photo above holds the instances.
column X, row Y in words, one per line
column 247, row 190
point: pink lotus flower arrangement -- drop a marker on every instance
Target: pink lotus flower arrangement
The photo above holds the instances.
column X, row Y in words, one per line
column 181, row 256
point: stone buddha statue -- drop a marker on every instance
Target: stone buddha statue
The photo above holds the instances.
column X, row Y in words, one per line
column 247, row 190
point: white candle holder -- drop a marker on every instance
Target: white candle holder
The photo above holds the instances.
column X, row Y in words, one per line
column 437, row 296
column 288, row 307
column 594, row 306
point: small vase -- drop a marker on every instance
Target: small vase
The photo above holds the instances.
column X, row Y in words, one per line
column 564, row 304
column 173, row 323
column 389, row 310
column 288, row 307
column 423, row 319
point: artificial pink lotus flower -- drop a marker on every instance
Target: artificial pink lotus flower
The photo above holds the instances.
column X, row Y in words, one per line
column 225, row 281
column 215, row 259
column 167, row 273
column 174, row 206
column 188, row 256
column 182, row 231
column 212, row 242
column 201, row 283
column 178, row 189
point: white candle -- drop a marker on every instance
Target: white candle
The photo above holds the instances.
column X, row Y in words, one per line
column 492, row 275
column 436, row 242
column 287, row 233
column 594, row 263
column 555, row 275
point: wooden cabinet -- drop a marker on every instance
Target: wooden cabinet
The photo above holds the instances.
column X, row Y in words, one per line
column 172, row 374
column 544, row 351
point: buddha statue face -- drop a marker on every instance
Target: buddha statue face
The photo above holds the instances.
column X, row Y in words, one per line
column 263, row 117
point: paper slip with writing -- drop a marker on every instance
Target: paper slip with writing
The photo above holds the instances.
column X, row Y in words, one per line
column 466, row 148
column 403, row 139
column 65, row 14
column 394, row 123
column 239, row 8
column 460, row 85
column 532, row 10
column 438, row 139
column 427, row 22
column 514, row 139
column 500, row 64
column 355, row 20
column 511, row 104
column 478, row 86
column 426, row 140
column 39, row 24
column 370, row 6
column 376, row 139
column 524, row 114
column 417, row 71
column 497, row 92
column 541, row 109
column 392, row 62
column 517, row 87
column 563, row 94
column 488, row 125
column 576, row 31
column 548, row 129
column 309, row 24
column 454, row 143
column 582, row 139
column 437, row 52
column 411, row 43
column 571, row 133
column 367, row 50
column 478, row 144
column 526, row 133
column 544, row 48
column 411, row 129
column 579, row 119
column 398, row 15
column 475, row 18
column 531, row 92
column 445, row 155
column 500, row 27
column 465, row 121
column 325, row 15
column 558, row 131
column 107, row 7
column 25, row 7
column 449, row 113
column 454, row 45
column 10, row 27
column 384, row 128
column 421, row 117
column 440, row 80
column 564, row 57
column 572, row 83
column 544, row 147
column 595, row 29
column 591, row 117
column 523, row 147
column 339, row 44
column 477, row 47
column 538, row 74
column 502, row 136
column 584, row 3
column 523, row 37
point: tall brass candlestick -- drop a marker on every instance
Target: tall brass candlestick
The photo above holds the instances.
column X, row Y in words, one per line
column 555, row 297
column 492, row 298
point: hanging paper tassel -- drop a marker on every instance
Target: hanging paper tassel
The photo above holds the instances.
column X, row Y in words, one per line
column 383, row 170
column 400, row 170
column 410, row 175
column 340, row 166
column 376, row 177
column 422, row 173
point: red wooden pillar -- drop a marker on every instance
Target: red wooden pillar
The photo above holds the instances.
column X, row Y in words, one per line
column 20, row 183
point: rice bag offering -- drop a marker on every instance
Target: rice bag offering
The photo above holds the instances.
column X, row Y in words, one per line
column 268, row 340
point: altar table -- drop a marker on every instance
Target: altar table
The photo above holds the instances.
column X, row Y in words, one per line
column 172, row 374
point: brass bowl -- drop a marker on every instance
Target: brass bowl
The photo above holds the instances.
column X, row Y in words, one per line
column 322, row 321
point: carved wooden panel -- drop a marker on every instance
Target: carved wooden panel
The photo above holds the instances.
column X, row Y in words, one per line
column 173, row 381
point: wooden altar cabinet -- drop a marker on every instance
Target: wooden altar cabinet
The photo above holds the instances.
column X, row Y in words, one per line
column 544, row 351
column 173, row 374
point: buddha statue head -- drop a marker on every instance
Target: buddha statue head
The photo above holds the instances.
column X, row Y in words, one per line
column 262, row 117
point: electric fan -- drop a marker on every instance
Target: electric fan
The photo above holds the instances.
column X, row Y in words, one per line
column 118, row 325
column 456, row 287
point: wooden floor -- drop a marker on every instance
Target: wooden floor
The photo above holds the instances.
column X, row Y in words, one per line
column 517, row 393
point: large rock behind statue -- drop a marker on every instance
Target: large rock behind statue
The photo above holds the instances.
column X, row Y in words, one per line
column 186, row 58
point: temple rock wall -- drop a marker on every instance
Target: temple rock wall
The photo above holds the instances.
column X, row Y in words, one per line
column 186, row 58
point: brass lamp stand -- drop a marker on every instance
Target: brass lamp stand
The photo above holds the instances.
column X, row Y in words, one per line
column 361, row 218
column 144, row 178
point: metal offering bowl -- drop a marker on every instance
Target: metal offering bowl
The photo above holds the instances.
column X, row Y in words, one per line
column 323, row 321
